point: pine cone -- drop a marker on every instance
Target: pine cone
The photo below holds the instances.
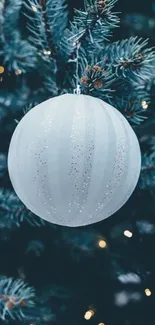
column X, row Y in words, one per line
column 97, row 68
column 84, row 80
column 98, row 83
column 101, row 5
column 126, row 64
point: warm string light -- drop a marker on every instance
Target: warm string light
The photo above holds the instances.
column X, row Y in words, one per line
column 128, row 233
column 89, row 314
column 148, row 292
column 18, row 72
column 34, row 8
column 144, row 104
column 47, row 52
column 1, row 69
column 101, row 324
column 102, row 243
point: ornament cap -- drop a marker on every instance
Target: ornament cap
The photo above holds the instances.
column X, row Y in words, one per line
column 77, row 90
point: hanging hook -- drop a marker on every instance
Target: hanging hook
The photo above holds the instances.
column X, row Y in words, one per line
column 78, row 88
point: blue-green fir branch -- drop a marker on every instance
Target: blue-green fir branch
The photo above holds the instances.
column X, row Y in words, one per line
column 57, row 21
column 74, row 69
column 130, row 99
column 35, row 25
column 14, row 99
column 38, row 35
column 39, row 315
column 97, row 20
column 9, row 20
column 10, row 11
column 147, row 142
column 91, row 26
column 3, row 165
column 147, row 178
column 72, row 36
column 53, row 290
column 148, row 86
column 18, row 55
column 15, row 295
column 15, row 53
column 13, row 212
column 80, row 242
column 57, row 17
column 132, row 108
column 61, row 294
column 145, row 227
column 2, row 3
column 97, row 81
column 47, row 72
column 141, row 92
column 129, row 58
column 46, row 25
column 35, row 248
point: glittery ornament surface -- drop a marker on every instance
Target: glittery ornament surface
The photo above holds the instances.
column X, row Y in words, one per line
column 74, row 160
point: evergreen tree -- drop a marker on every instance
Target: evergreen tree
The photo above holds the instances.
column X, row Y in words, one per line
column 103, row 273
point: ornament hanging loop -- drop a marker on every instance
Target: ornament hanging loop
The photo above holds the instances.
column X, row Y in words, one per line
column 77, row 90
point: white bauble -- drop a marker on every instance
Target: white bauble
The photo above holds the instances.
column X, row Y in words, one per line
column 74, row 160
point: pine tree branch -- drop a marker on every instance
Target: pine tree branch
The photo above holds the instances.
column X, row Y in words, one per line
column 9, row 19
column 147, row 179
column 96, row 21
column 97, row 81
column 13, row 212
column 15, row 53
column 39, row 36
column 11, row 12
column 35, row 26
column 92, row 26
column 131, row 107
column 3, row 165
column 18, row 55
column 57, row 20
column 129, row 58
column 15, row 295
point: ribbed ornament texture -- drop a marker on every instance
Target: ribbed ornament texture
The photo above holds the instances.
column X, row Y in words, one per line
column 74, row 160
